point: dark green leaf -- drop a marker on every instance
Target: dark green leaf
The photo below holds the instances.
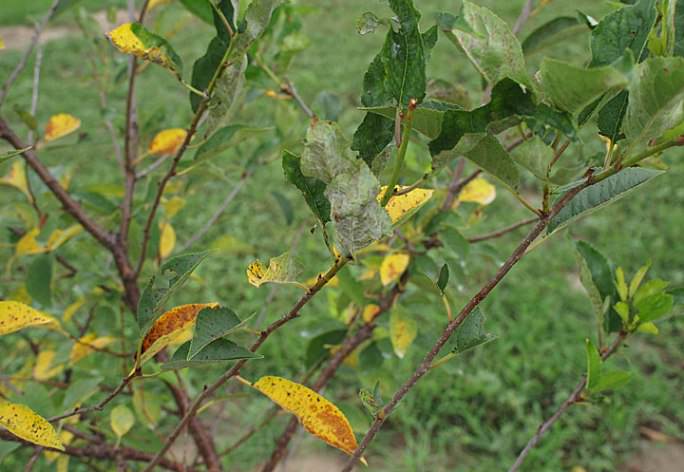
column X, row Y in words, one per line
column 171, row 275
column 39, row 279
column 601, row 275
column 678, row 21
column 550, row 32
column 471, row 333
column 489, row 154
column 200, row 8
column 443, row 279
column 371, row 358
column 218, row 351
column 454, row 240
column 210, row 325
column 593, row 365
column 372, row 136
column 318, row 348
column 312, row 188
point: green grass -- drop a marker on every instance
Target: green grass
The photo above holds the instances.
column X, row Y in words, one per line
column 475, row 413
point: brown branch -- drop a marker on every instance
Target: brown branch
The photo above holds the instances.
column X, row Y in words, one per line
column 502, row 231
column 523, row 17
column 425, row 365
column 575, row 397
column 456, row 186
column 235, row 370
column 288, row 88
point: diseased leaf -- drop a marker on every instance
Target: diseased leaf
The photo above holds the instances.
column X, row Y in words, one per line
column 135, row 39
column 212, row 323
column 598, row 195
column 400, row 207
column 326, row 152
column 257, row 17
column 471, row 333
column 403, row 330
column 489, row 43
column 312, row 188
column 121, row 420
column 15, row 316
column 226, row 96
column 281, row 270
column 392, row 266
column 26, row 424
column 60, row 125
column 171, row 275
column 479, row 190
column 167, row 142
column 372, row 136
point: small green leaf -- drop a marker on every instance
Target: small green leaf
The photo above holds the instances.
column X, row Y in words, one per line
column 651, row 287
column 599, row 278
column 121, row 420
column 39, row 279
column 620, row 284
column 220, row 350
column 611, row 380
column 593, row 365
column 654, row 307
column 312, row 188
column 210, row 325
column 637, row 279
column 622, row 309
column 443, row 279
column 471, row 333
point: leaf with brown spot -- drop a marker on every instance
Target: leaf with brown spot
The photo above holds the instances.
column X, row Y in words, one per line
column 403, row 330
column 392, row 267
column 26, row 424
column 61, row 125
column 171, row 329
column 399, row 207
column 318, row 415
column 280, row 270
column 15, row 316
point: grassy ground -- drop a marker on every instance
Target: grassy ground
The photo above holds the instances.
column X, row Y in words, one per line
column 475, row 414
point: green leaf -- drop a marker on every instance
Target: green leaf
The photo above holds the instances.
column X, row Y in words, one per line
column 599, row 280
column 651, row 287
column 317, row 348
column 210, row 325
column 550, row 32
column 678, row 21
column 621, row 284
column 573, row 88
column 471, row 333
column 79, row 391
column 220, row 350
column 372, row 136
column 535, row 155
column 638, row 278
column 171, row 275
column 224, row 139
column 454, row 240
column 226, row 96
column 654, row 307
column 611, row 380
column 121, row 420
column 490, row 45
column 326, row 152
column 312, row 188
column 39, row 279
column 427, row 118
column 6, row 156
column 489, row 154
column 601, row 194
column 593, row 365
column 443, row 279
column 200, row 8
column 257, row 18
column 358, row 218
column 655, row 104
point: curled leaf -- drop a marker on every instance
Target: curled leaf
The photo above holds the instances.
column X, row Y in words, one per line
column 280, row 270
column 401, row 206
column 392, row 267
column 318, row 415
column 167, row 142
column 479, row 190
column 172, row 328
column 61, row 125
column 15, row 316
column 26, row 424
column 16, row 177
column 135, row 39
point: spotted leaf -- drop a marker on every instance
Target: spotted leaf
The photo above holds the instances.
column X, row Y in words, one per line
column 400, row 207
column 15, row 316
column 392, row 267
column 26, row 424
column 135, row 39
column 403, row 330
column 281, row 270
column 61, row 125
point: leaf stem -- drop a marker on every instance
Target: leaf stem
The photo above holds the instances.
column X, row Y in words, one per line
column 401, row 153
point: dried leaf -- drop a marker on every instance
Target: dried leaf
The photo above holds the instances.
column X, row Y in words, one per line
column 87, row 345
column 280, row 270
column 167, row 142
column 479, row 190
column 61, row 125
column 403, row 330
column 167, row 240
column 318, row 415
column 26, row 424
column 400, row 206
column 15, row 316
column 392, row 267
column 171, row 329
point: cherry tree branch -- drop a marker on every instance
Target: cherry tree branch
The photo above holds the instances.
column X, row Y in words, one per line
column 575, row 397
column 502, row 231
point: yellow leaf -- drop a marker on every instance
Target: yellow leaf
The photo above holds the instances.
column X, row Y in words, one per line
column 72, row 309
column 16, row 177
column 65, row 437
column 370, row 312
column 403, row 331
column 126, row 41
column 318, row 415
column 26, row 424
column 392, row 267
column 172, row 328
column 44, row 370
column 61, row 125
column 400, row 206
column 87, row 345
column 479, row 190
column 281, row 270
column 121, row 420
column 167, row 142
column 135, row 39
column 28, row 244
column 2, row 43
column 60, row 236
column 649, row 328
column 15, row 316
column 167, row 240
column 172, row 206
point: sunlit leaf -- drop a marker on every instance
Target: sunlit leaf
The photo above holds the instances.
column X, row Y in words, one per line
column 318, row 415
column 392, row 267
column 15, row 316
column 402, row 206
column 28, row 244
column 135, row 39
column 403, row 330
column 167, row 240
column 282, row 269
column 61, row 125
column 26, row 424
column 167, row 142
column 478, row 190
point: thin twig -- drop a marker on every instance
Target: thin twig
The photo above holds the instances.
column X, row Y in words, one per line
column 35, row 91
column 14, row 75
column 502, row 231
column 523, row 17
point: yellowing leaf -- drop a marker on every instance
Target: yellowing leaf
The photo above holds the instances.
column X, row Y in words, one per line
column 72, row 309
column 172, row 328
column 156, row 3
column 318, row 415
column 44, row 370
column 400, row 206
column 403, row 330
column 61, row 125
column 65, row 437
column 167, row 142
column 478, row 190
column 172, row 206
column 332, row 283
column 60, row 236
column 121, row 420
column 167, row 240
column 87, row 345
column 370, row 312
column 16, row 177
column 26, row 424
column 28, row 244
column 280, row 270
column 2, row 43
column 15, row 316
column 392, row 267
column 135, row 39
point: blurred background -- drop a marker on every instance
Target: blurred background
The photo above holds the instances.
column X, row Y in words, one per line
column 476, row 412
